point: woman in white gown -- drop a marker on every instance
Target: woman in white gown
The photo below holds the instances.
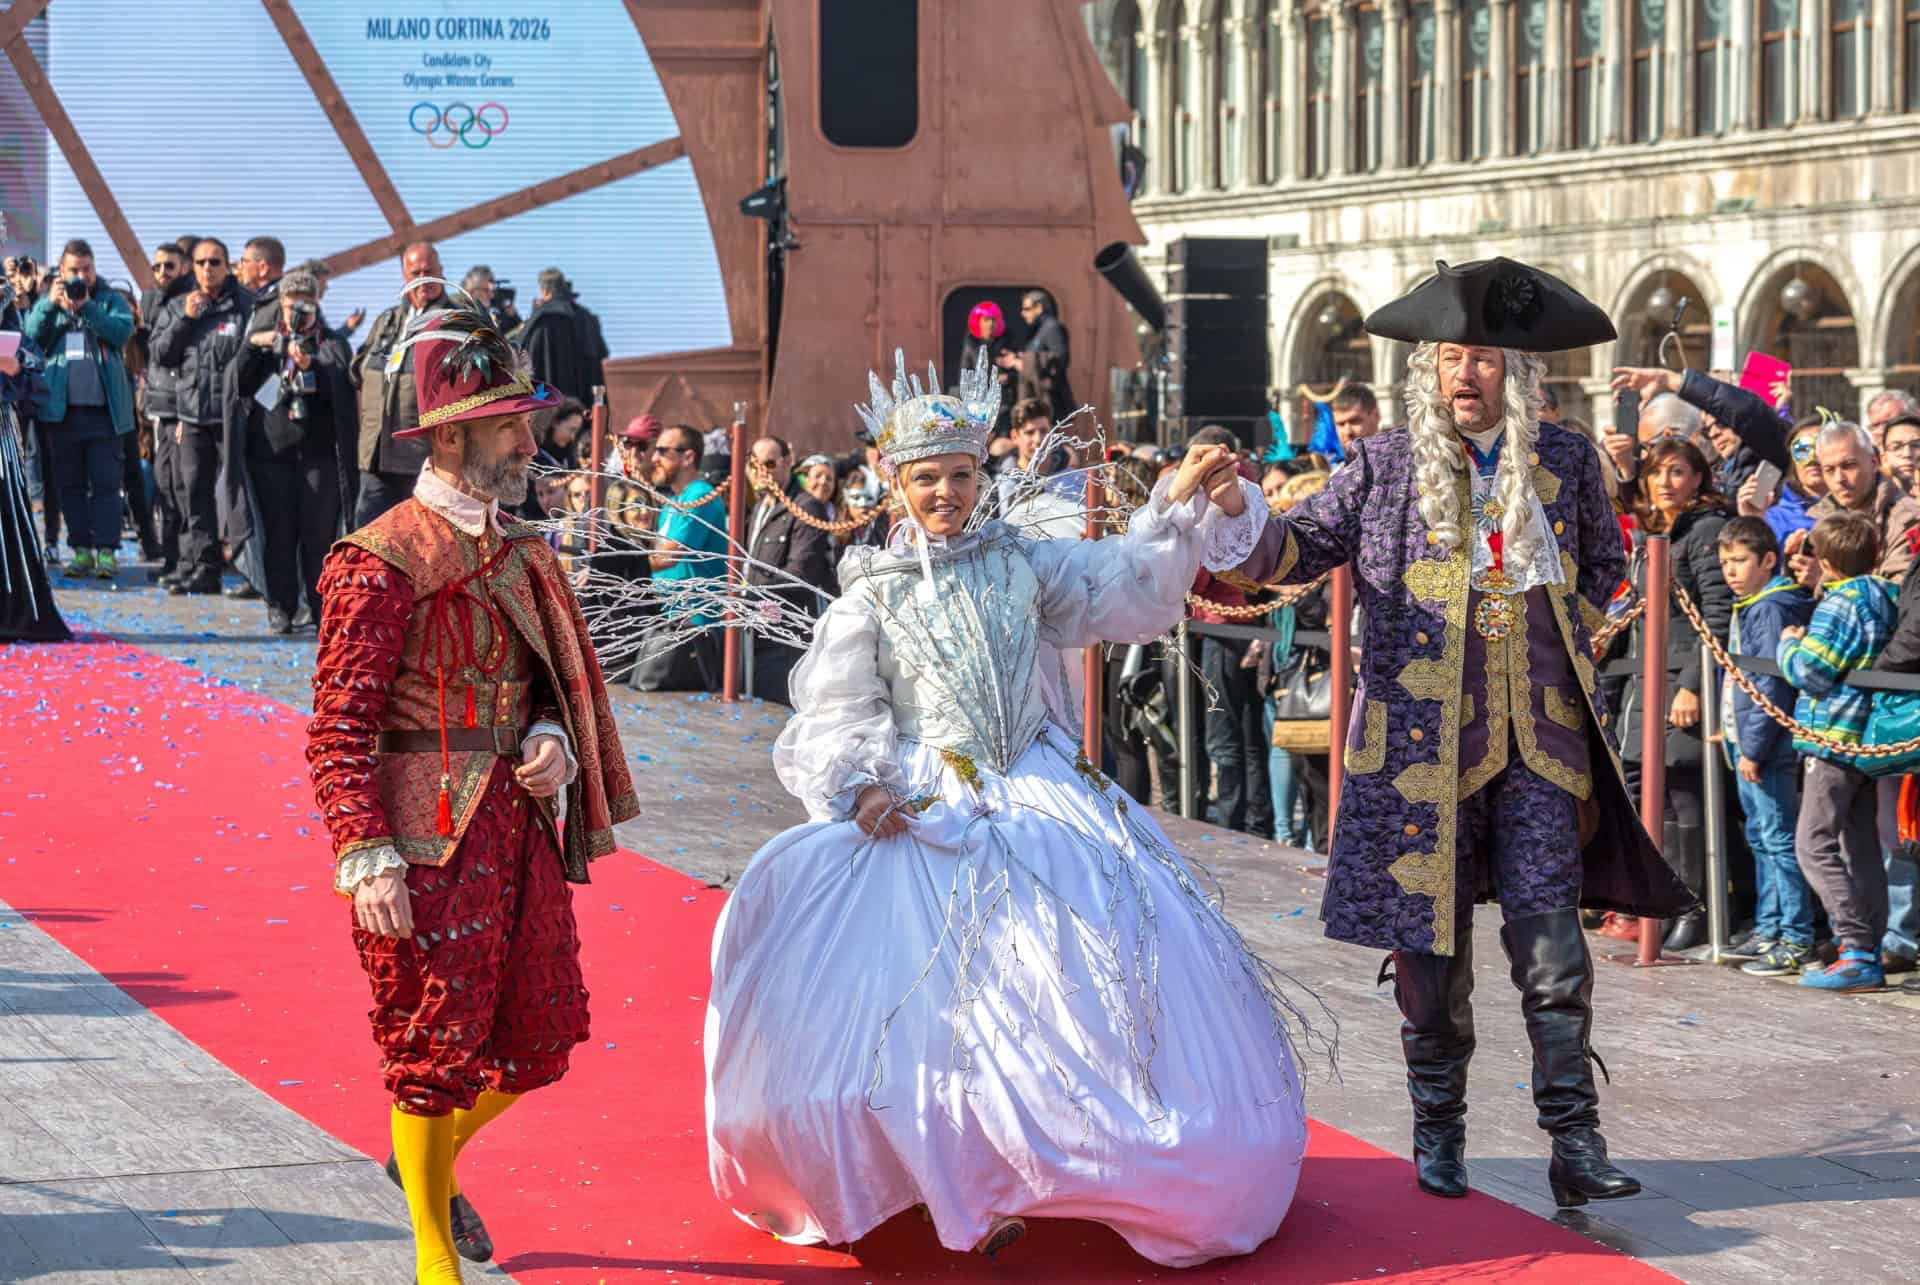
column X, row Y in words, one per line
column 981, row 980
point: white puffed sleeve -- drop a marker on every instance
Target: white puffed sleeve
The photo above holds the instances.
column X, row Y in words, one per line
column 1132, row 588
column 841, row 737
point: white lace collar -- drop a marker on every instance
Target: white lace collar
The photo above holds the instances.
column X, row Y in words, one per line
column 468, row 513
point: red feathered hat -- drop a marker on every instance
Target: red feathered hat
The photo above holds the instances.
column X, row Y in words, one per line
column 465, row 369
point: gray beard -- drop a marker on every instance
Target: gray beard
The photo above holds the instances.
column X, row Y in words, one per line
column 504, row 479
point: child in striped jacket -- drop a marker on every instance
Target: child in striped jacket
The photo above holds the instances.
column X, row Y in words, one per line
column 1838, row 836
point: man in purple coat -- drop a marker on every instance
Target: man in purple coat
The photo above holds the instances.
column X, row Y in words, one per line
column 1480, row 760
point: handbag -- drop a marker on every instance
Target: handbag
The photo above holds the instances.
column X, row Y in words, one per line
column 1303, row 686
column 1895, row 718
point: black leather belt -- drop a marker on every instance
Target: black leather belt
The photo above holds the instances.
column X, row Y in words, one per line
column 504, row 741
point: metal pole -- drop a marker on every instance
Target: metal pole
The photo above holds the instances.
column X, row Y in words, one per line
column 1653, row 721
column 1340, row 625
column 1091, row 689
column 1183, row 711
column 1711, row 764
column 737, row 531
column 597, row 482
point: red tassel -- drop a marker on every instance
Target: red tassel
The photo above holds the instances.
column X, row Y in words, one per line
column 472, row 718
column 444, row 822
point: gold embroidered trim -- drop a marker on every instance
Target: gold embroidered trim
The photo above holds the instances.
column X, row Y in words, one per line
column 361, row 845
column 441, row 414
column 1442, row 583
column 1561, row 709
column 1289, row 555
column 1371, row 754
column 1546, row 483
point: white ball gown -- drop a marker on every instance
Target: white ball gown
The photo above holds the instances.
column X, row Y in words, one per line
column 1028, row 1004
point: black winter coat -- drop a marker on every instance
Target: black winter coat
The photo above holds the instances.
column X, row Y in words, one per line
column 1694, row 559
column 201, row 348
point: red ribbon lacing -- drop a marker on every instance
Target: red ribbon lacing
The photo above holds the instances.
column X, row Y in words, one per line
column 450, row 621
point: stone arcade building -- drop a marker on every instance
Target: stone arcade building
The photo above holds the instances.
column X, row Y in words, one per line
column 1758, row 157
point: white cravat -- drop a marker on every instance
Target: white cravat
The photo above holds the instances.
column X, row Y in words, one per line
column 468, row 513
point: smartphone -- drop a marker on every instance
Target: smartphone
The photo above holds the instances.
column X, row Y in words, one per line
column 1767, row 480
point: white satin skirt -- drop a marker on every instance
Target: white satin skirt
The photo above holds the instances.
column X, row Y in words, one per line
column 1029, row 1005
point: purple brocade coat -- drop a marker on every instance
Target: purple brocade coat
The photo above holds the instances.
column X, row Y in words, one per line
column 1418, row 737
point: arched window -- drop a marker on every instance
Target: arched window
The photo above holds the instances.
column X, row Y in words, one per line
column 1712, row 65
column 1319, row 93
column 1529, row 45
column 1588, row 72
column 1803, row 317
column 1645, row 57
column 1779, row 61
column 1420, row 76
column 1226, row 82
column 1476, row 35
column 1181, row 76
column 1849, row 55
column 1369, row 57
column 1272, row 92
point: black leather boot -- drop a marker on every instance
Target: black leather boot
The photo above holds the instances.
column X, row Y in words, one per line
column 1686, row 851
column 1554, row 973
column 1434, row 992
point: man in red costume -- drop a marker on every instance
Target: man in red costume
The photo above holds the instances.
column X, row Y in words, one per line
column 465, row 761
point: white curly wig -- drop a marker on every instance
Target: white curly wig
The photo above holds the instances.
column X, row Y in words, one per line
column 1438, row 459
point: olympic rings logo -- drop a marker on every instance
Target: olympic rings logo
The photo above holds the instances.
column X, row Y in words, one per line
column 474, row 128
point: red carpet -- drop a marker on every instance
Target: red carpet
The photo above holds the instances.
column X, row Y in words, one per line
column 160, row 825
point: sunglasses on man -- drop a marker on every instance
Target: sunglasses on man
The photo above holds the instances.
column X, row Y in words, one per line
column 208, row 263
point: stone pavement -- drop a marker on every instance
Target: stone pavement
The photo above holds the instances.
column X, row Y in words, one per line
column 1777, row 1130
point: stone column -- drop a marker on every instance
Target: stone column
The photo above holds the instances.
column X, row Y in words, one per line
column 1343, row 157
column 1446, row 81
column 1676, row 79
column 1153, row 114
column 1743, row 111
column 1197, row 132
column 1815, row 91
column 1500, row 53
column 1242, row 49
column 1290, row 31
column 1617, row 84
column 1599, row 403
column 1884, row 56
column 1394, row 69
column 1554, row 92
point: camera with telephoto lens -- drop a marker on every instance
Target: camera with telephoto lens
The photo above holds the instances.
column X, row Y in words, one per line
column 77, row 288
column 503, row 295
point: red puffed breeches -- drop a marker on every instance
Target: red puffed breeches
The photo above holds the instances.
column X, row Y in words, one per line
column 488, row 992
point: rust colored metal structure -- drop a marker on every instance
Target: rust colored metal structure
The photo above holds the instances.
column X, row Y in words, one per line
column 1009, row 181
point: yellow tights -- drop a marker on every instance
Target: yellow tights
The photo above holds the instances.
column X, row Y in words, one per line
column 488, row 1107
column 423, row 1147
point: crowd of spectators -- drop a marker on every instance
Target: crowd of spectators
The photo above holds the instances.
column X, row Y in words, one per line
column 233, row 428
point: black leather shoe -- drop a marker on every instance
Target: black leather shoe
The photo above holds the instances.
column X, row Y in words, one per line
column 278, row 622
column 1580, row 1170
column 162, row 574
column 194, row 584
column 1434, row 993
column 470, row 1239
column 1686, row 932
column 243, row 592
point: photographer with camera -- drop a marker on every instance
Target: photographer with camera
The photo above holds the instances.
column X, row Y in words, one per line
column 198, row 334
column 289, row 388
column 81, row 328
column 494, row 297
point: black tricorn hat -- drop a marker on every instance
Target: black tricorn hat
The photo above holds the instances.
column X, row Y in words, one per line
column 1494, row 303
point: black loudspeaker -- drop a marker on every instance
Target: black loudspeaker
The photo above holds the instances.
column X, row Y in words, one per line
column 1217, row 342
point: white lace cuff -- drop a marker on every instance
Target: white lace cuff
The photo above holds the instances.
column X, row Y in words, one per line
column 1230, row 540
column 848, row 797
column 566, row 746
column 359, row 866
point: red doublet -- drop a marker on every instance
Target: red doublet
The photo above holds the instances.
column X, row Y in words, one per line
column 426, row 628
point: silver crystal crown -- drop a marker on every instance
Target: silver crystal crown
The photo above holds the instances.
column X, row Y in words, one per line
column 912, row 421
